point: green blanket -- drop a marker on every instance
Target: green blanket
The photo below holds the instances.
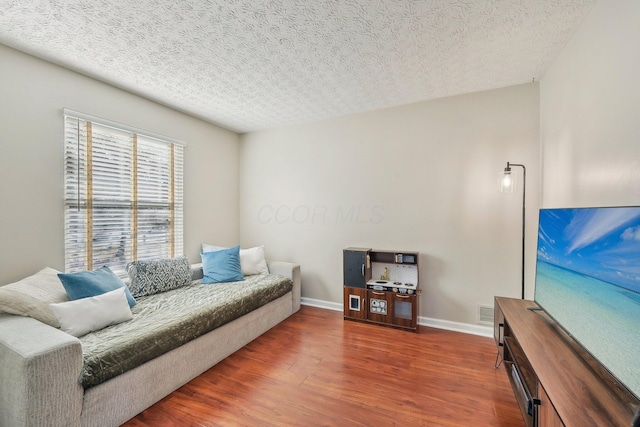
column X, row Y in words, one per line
column 165, row 321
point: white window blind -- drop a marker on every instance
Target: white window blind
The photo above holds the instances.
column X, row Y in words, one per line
column 123, row 194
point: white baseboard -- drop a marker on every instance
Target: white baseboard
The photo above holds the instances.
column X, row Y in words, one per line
column 467, row 328
column 327, row 305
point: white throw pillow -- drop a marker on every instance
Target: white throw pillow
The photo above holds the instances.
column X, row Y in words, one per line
column 32, row 295
column 79, row 317
column 211, row 248
column 252, row 260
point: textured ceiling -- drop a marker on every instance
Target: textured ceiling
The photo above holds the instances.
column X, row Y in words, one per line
column 256, row 64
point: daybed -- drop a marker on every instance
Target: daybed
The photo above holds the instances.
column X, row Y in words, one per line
column 42, row 369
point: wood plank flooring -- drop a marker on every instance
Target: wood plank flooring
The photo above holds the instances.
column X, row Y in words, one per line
column 316, row 369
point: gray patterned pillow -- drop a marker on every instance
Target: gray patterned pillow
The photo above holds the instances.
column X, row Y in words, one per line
column 158, row 275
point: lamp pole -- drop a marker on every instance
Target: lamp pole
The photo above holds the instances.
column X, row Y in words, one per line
column 509, row 187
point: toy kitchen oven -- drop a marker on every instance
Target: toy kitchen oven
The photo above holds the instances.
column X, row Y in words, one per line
column 381, row 286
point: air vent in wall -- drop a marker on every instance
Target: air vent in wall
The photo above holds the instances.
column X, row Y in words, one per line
column 485, row 315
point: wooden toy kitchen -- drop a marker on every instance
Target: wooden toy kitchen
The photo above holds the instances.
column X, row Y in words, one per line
column 381, row 286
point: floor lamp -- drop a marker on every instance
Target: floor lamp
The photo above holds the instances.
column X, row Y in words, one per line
column 507, row 185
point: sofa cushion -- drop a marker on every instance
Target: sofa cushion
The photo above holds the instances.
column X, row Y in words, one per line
column 85, row 284
column 149, row 277
column 84, row 315
column 31, row 296
column 221, row 266
column 166, row 320
column 252, row 260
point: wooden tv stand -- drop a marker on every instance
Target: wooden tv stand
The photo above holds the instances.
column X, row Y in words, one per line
column 564, row 384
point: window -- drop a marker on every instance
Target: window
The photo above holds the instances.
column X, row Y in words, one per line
column 123, row 194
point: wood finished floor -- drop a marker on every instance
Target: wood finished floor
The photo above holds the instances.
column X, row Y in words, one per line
column 315, row 369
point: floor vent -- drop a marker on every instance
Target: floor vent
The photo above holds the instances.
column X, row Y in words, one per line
column 485, row 315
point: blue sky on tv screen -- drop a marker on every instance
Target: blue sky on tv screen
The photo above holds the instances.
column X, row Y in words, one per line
column 599, row 242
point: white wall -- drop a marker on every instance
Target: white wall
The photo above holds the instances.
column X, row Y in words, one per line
column 32, row 96
column 419, row 177
column 590, row 112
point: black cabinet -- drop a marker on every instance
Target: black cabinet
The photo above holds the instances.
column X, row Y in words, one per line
column 357, row 267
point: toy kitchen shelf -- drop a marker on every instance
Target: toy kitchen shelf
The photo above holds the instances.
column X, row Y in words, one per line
column 381, row 287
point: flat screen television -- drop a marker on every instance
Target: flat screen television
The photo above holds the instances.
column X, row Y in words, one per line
column 588, row 280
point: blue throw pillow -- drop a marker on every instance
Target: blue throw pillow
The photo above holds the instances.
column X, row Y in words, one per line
column 93, row 283
column 221, row 266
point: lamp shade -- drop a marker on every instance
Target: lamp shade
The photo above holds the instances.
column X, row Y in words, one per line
column 507, row 182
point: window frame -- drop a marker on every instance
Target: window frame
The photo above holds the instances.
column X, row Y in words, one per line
column 132, row 189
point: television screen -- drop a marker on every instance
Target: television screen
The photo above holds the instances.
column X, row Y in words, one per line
column 588, row 280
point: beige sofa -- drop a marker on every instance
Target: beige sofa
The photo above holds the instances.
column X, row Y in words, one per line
column 40, row 366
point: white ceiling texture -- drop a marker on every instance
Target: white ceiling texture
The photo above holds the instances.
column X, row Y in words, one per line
column 255, row 64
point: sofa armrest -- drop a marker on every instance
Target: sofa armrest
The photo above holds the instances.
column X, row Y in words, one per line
column 39, row 370
column 292, row 271
column 196, row 271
